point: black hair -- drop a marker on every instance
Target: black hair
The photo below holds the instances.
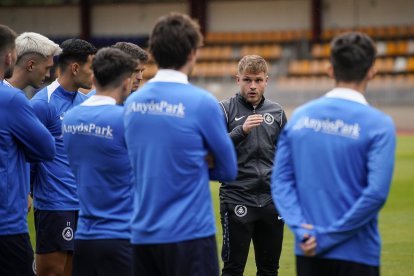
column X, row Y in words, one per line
column 172, row 40
column 75, row 50
column 7, row 38
column 111, row 65
column 352, row 55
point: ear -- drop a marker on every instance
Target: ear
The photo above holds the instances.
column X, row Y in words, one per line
column 266, row 80
column 94, row 81
column 192, row 55
column 127, row 84
column 237, row 77
column 371, row 72
column 8, row 59
column 330, row 71
column 29, row 65
column 74, row 68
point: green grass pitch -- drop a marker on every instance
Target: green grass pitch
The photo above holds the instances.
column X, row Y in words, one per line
column 396, row 221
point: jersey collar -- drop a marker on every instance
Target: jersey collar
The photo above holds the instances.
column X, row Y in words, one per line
column 6, row 83
column 347, row 94
column 96, row 100
column 169, row 75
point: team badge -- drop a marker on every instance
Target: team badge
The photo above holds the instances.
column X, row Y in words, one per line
column 240, row 210
column 67, row 233
column 268, row 118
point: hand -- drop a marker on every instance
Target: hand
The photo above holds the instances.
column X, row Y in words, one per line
column 251, row 122
column 29, row 203
column 308, row 244
column 210, row 161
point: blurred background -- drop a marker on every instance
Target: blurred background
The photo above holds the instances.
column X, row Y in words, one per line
column 292, row 35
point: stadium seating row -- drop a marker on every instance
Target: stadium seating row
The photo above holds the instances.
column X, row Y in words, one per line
column 377, row 32
column 323, row 83
column 384, row 48
column 223, row 53
column 387, row 65
column 226, row 69
column 218, row 59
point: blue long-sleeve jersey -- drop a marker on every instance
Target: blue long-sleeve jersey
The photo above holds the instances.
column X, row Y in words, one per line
column 93, row 134
column 22, row 139
column 53, row 181
column 170, row 128
column 333, row 170
column 91, row 93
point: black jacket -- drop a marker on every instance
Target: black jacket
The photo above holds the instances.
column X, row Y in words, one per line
column 255, row 151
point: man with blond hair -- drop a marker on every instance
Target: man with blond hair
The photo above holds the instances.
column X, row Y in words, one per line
column 22, row 139
column 35, row 54
column 246, row 207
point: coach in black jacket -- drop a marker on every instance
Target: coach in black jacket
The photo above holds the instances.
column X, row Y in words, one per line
column 246, row 207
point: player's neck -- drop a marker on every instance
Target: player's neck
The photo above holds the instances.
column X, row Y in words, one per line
column 18, row 79
column 67, row 83
column 359, row 87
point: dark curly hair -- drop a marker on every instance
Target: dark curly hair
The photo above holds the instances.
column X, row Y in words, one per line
column 133, row 50
column 75, row 50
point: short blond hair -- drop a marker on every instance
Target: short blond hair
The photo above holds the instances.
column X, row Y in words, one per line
column 34, row 43
column 252, row 64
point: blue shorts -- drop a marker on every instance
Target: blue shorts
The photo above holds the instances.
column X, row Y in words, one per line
column 102, row 257
column 188, row 258
column 55, row 230
column 16, row 255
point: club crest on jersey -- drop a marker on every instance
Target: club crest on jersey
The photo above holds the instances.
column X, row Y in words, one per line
column 67, row 233
column 268, row 118
column 240, row 210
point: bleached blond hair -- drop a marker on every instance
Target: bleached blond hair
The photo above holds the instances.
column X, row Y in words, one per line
column 34, row 43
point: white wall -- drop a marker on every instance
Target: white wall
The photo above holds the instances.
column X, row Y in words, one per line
column 138, row 19
column 57, row 21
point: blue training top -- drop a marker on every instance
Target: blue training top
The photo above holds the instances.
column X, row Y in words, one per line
column 53, row 181
column 170, row 127
column 93, row 134
column 91, row 93
column 333, row 170
column 22, row 138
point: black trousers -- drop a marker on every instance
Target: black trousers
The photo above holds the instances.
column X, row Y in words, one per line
column 327, row 267
column 188, row 258
column 241, row 225
column 102, row 257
